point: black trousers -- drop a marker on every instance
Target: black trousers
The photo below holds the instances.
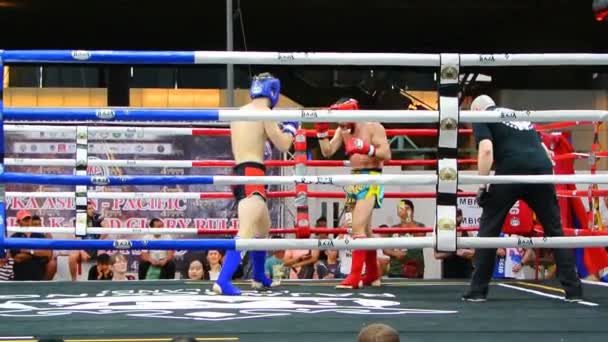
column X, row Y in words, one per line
column 543, row 200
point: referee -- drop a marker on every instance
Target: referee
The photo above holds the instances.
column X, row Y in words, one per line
column 516, row 149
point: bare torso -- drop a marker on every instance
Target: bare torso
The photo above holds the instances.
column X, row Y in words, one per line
column 363, row 131
column 248, row 139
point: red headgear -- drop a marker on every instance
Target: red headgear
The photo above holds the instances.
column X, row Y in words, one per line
column 346, row 104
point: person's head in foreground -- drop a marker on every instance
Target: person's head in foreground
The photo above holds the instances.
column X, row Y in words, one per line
column 378, row 332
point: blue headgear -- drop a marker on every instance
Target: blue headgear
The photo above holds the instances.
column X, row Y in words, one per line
column 266, row 86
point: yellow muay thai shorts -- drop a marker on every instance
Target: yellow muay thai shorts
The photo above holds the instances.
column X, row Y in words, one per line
column 357, row 192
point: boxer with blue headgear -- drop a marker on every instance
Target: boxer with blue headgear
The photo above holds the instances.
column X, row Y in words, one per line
column 250, row 142
column 265, row 85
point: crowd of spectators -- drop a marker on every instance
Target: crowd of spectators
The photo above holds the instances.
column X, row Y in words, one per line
column 280, row 265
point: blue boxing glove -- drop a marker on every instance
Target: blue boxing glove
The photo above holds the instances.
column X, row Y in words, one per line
column 268, row 150
column 290, row 127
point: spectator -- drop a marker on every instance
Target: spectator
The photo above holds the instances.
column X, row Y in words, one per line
column 6, row 268
column 214, row 262
column 321, row 222
column 403, row 262
column 36, row 221
column 102, row 270
column 274, row 267
column 196, row 270
column 511, row 263
column 546, row 263
column 156, row 264
column 119, row 268
column 317, row 255
column 29, row 264
column 383, row 259
column 457, row 265
column 523, row 269
column 94, row 220
column 301, row 262
column 51, row 266
column 378, row 333
column 603, row 212
column 329, row 267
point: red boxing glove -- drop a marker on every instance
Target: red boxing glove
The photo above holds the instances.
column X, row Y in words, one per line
column 346, row 104
column 358, row 146
column 322, row 129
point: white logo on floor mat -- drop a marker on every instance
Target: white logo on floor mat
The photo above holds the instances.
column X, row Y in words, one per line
column 197, row 304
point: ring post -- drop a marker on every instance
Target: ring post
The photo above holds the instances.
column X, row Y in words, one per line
column 300, row 156
column 82, row 136
column 2, row 187
column 447, row 154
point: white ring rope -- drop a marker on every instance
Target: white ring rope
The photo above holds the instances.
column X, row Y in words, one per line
column 98, row 162
column 421, row 242
column 43, row 162
column 534, row 179
column 315, row 58
column 117, row 162
column 325, row 115
column 40, row 194
column 535, row 242
column 119, row 230
column 533, row 59
column 400, row 179
column 372, row 243
column 99, row 132
column 404, row 116
column 533, row 116
column 329, row 58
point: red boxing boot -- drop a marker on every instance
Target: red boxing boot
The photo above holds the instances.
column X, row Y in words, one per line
column 372, row 275
column 353, row 281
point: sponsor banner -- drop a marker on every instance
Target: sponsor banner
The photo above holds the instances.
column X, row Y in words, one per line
column 471, row 212
column 122, row 134
column 165, row 149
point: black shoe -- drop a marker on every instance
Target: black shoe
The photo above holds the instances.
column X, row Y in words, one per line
column 573, row 299
column 474, row 297
column 574, row 296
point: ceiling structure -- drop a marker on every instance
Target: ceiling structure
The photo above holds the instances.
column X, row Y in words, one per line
column 310, row 25
column 431, row 26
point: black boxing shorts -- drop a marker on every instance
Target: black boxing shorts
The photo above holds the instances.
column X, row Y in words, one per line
column 245, row 190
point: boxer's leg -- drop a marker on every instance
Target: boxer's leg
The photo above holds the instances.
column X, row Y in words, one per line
column 258, row 258
column 372, row 275
column 361, row 216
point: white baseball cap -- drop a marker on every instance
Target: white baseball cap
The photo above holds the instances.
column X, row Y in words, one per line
column 482, row 102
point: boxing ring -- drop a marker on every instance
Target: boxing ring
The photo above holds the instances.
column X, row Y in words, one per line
column 159, row 310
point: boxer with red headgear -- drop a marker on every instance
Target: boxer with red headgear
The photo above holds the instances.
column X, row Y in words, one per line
column 367, row 148
column 248, row 145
